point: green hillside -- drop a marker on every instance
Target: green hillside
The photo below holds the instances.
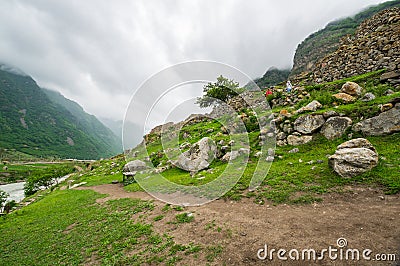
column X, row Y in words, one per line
column 89, row 122
column 326, row 40
column 272, row 77
column 30, row 122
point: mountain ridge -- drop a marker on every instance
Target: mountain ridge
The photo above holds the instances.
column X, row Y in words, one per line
column 32, row 123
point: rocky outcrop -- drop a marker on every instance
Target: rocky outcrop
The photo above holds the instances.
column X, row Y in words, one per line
column 374, row 46
column 308, row 124
column 198, row 157
column 354, row 157
column 385, row 123
column 335, row 127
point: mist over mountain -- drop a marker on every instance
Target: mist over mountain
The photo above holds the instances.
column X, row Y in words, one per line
column 42, row 122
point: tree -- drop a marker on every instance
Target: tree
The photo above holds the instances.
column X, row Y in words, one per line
column 222, row 90
column 3, row 199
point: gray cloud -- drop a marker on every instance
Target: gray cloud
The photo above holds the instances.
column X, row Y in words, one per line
column 98, row 52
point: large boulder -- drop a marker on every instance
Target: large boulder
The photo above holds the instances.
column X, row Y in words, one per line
column 354, row 157
column 335, row 126
column 308, row 123
column 134, row 166
column 385, row 123
column 352, row 88
column 198, row 157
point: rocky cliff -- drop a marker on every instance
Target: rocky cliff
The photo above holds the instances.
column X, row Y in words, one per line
column 375, row 45
column 325, row 41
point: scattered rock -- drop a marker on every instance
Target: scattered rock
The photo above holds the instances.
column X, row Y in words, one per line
column 308, row 123
column 134, row 166
column 233, row 155
column 390, row 75
column 269, row 158
column 354, row 157
column 312, row 106
column 281, row 136
column 258, row 154
column 281, row 143
column 296, row 140
column 385, row 123
column 368, row 97
column 285, row 113
column 344, row 97
column 335, row 126
column 351, row 88
column 385, row 107
column 389, row 92
column 329, row 114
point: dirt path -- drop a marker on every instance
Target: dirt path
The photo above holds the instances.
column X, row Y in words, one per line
column 365, row 217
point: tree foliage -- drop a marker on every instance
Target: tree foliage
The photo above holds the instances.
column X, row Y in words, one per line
column 3, row 199
column 221, row 90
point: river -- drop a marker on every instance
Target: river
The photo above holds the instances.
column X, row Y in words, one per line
column 16, row 190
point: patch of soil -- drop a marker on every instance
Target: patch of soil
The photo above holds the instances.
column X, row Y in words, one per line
column 115, row 191
column 364, row 216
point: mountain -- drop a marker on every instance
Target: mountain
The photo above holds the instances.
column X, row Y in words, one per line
column 114, row 125
column 272, row 77
column 325, row 41
column 41, row 122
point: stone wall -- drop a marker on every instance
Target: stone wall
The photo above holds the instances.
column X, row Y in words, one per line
column 375, row 45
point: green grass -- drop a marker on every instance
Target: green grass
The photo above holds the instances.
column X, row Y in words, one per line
column 67, row 227
column 184, row 218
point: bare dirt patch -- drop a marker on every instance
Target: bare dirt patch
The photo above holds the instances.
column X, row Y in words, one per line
column 364, row 216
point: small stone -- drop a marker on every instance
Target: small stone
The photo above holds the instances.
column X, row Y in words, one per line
column 320, row 161
column 295, row 150
column 269, row 158
column 310, row 162
column 312, row 106
column 114, row 182
column 386, row 107
column 300, row 160
column 329, row 114
column 389, row 92
column 344, row 97
column 295, row 140
column 258, row 154
column 368, row 97
column 281, row 136
column 313, row 168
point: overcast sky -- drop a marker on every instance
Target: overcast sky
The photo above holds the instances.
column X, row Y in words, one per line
column 99, row 52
